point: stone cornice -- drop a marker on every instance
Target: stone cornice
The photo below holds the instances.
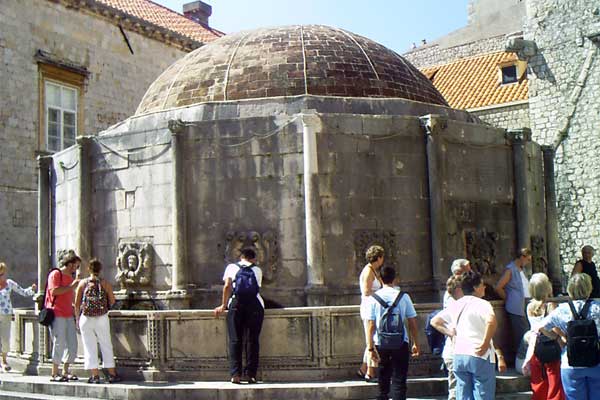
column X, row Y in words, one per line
column 132, row 23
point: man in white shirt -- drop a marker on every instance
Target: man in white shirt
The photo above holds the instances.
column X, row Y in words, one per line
column 393, row 362
column 246, row 313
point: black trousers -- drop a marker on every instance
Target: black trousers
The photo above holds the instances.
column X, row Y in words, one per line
column 393, row 366
column 244, row 322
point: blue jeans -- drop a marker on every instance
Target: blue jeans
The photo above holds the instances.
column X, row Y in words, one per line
column 581, row 383
column 475, row 378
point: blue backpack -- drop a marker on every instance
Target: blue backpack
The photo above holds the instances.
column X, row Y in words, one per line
column 435, row 338
column 390, row 329
column 246, row 285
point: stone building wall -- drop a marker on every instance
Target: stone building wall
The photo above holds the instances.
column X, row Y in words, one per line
column 116, row 83
column 508, row 117
column 435, row 54
column 564, row 83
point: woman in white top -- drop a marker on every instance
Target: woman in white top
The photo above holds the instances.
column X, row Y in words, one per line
column 545, row 378
column 370, row 282
column 471, row 323
column 7, row 286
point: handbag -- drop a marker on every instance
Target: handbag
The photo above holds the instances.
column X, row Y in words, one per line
column 546, row 350
column 46, row 315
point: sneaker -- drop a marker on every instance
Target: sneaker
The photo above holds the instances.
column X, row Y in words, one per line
column 252, row 380
column 236, row 380
column 370, row 379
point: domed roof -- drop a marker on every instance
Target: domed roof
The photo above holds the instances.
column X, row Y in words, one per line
column 288, row 61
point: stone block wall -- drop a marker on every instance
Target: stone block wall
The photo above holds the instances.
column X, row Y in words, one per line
column 564, row 80
column 508, row 117
column 116, row 83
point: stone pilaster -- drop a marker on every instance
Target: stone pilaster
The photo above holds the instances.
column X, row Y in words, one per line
column 179, row 274
column 520, row 138
column 552, row 240
column 84, row 242
column 44, row 163
column 312, row 210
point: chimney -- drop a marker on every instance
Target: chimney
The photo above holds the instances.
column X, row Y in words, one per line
column 197, row 11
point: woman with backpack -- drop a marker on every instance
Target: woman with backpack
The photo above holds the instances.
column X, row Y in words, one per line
column 93, row 299
column 543, row 354
column 578, row 323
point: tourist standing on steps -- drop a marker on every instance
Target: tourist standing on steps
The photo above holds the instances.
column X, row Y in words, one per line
column 93, row 299
column 241, row 297
column 388, row 338
column 59, row 297
column 580, row 359
column 587, row 266
column 545, row 377
column 369, row 282
column 513, row 287
column 7, row 286
column 471, row 323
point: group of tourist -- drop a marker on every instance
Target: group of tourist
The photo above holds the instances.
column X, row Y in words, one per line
column 561, row 352
column 76, row 305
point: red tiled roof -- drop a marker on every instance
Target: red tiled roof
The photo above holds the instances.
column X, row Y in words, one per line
column 165, row 18
column 474, row 82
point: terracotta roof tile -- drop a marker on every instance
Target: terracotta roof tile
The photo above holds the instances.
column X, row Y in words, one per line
column 474, row 82
column 165, row 18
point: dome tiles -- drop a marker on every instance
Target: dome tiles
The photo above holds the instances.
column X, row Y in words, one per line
column 288, row 61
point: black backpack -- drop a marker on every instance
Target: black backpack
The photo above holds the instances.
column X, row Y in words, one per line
column 435, row 338
column 582, row 338
column 390, row 329
column 546, row 350
column 246, row 284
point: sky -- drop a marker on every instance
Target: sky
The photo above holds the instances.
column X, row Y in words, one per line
column 393, row 23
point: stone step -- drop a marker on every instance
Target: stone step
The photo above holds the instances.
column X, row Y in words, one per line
column 13, row 386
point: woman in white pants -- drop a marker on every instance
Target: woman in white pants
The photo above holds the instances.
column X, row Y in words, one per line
column 93, row 299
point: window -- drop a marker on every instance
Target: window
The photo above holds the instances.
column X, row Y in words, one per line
column 509, row 74
column 60, row 105
column 61, row 115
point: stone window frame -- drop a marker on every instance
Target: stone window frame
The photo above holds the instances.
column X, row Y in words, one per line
column 62, row 77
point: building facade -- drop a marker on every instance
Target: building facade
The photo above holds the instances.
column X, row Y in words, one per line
column 69, row 68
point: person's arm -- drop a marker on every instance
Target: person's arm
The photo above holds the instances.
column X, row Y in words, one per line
column 370, row 342
column 440, row 324
column 227, row 289
column 502, row 283
column 109, row 293
column 366, row 282
column 490, row 329
column 501, row 360
column 577, row 268
column 78, row 299
column 29, row 292
column 414, row 336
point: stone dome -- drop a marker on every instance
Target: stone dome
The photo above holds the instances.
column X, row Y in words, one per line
column 288, row 61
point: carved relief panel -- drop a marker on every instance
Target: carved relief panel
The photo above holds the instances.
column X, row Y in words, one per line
column 134, row 264
column 365, row 238
column 481, row 247
column 264, row 244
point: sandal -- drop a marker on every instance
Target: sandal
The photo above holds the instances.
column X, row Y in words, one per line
column 6, row 368
column 114, row 378
column 71, row 377
column 360, row 373
column 93, row 379
column 58, row 378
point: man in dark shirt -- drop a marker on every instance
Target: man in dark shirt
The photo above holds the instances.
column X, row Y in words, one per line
column 587, row 266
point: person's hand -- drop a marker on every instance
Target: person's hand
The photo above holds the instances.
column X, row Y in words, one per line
column 375, row 355
column 452, row 333
column 482, row 349
column 219, row 310
column 34, row 287
column 501, row 364
column 415, row 351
